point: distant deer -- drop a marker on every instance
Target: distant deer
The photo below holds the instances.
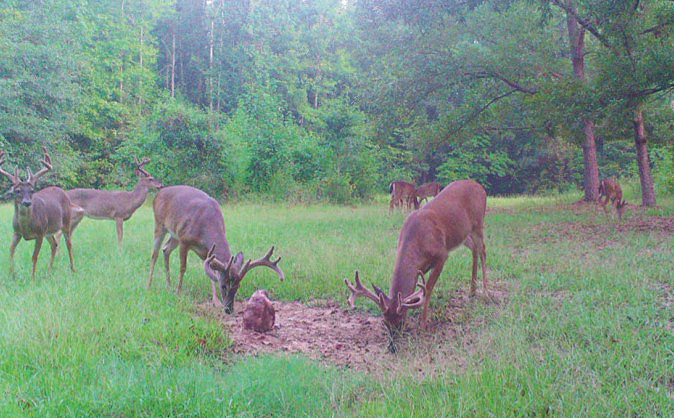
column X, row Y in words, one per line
column 117, row 206
column 195, row 222
column 39, row 214
column 454, row 217
column 402, row 195
column 611, row 190
column 427, row 190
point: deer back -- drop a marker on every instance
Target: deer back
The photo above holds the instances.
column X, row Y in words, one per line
column 192, row 217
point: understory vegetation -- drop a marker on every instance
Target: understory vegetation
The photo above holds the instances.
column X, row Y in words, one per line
column 586, row 328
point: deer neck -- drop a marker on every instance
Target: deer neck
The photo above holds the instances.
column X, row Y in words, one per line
column 138, row 195
column 404, row 275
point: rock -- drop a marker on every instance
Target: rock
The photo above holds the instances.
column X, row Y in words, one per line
column 259, row 314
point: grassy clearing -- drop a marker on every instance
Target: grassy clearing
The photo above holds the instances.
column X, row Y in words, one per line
column 585, row 330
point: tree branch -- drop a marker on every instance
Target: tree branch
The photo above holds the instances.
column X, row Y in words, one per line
column 584, row 23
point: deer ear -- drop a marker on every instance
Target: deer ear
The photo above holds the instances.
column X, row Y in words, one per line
column 238, row 261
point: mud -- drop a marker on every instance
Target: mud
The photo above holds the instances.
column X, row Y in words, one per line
column 331, row 333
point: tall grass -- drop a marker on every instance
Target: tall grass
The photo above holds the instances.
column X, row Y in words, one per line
column 584, row 331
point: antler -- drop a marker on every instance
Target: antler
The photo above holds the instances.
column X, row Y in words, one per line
column 15, row 177
column 417, row 298
column 141, row 164
column 214, row 263
column 264, row 261
column 359, row 290
column 46, row 162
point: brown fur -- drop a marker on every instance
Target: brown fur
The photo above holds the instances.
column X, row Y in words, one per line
column 403, row 195
column 427, row 190
column 611, row 191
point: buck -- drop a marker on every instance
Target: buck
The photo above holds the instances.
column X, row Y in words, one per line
column 454, row 217
column 427, row 190
column 39, row 214
column 611, row 190
column 117, row 206
column 402, row 195
column 194, row 221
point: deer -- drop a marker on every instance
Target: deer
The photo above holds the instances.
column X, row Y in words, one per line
column 454, row 217
column 610, row 189
column 195, row 222
column 427, row 190
column 117, row 206
column 402, row 195
column 39, row 214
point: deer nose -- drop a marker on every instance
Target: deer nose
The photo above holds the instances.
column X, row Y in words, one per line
column 26, row 203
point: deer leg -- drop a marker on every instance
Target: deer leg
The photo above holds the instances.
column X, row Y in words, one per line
column 184, row 248
column 430, row 284
column 120, row 231
column 159, row 234
column 54, row 248
column 36, row 252
column 69, row 245
column 12, row 248
column 170, row 245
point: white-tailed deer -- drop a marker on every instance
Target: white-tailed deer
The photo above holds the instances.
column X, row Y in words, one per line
column 117, row 206
column 453, row 218
column 39, row 214
column 611, row 190
column 427, row 190
column 402, row 195
column 194, row 221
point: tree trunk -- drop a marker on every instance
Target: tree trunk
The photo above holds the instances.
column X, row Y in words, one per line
column 647, row 189
column 591, row 168
column 173, row 65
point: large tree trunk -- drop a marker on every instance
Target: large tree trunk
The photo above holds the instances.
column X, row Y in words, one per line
column 591, row 169
column 647, row 189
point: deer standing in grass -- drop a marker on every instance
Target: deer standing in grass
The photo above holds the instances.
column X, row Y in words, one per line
column 402, row 195
column 39, row 214
column 118, row 206
column 454, row 217
column 194, row 221
column 427, row 190
column 611, row 190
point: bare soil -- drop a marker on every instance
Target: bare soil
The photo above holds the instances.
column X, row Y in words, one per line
column 328, row 332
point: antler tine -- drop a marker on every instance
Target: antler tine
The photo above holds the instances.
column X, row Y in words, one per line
column 359, row 290
column 13, row 177
column 214, row 262
column 46, row 162
column 263, row 262
column 141, row 164
column 417, row 298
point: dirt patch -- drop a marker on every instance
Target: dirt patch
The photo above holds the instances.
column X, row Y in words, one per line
column 328, row 332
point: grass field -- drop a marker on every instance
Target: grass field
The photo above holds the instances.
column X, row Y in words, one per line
column 587, row 327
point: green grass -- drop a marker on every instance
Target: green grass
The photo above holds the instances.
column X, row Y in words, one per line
column 585, row 329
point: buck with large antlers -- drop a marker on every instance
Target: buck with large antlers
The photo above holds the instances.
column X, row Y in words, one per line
column 454, row 217
column 39, row 214
column 402, row 195
column 194, row 221
column 610, row 189
column 118, row 206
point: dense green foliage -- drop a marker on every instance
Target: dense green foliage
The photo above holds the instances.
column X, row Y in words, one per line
column 585, row 329
column 331, row 99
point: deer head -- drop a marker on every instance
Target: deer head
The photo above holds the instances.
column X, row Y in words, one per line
column 145, row 178
column 394, row 310
column 23, row 190
column 229, row 276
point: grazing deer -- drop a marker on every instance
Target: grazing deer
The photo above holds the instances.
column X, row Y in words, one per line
column 453, row 218
column 39, row 214
column 427, row 190
column 611, row 190
column 195, row 222
column 402, row 195
column 118, row 206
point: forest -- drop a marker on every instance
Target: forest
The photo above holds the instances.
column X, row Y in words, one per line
column 306, row 100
